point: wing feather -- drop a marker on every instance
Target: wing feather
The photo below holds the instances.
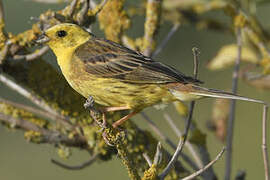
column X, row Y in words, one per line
column 107, row 59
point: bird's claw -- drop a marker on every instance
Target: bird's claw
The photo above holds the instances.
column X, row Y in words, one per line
column 89, row 103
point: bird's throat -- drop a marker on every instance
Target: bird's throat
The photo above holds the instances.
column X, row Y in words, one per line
column 64, row 59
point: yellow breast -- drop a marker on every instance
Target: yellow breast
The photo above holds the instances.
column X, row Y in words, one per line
column 108, row 91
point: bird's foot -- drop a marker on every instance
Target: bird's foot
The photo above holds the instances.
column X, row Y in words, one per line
column 96, row 114
column 89, row 103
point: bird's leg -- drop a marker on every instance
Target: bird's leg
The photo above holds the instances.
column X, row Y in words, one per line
column 95, row 114
column 112, row 109
column 123, row 119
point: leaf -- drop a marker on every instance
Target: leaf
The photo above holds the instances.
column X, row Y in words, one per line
column 227, row 54
column 181, row 108
column 183, row 4
column 265, row 63
column 219, row 119
column 260, row 81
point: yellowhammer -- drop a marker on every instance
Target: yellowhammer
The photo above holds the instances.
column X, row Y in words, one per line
column 117, row 77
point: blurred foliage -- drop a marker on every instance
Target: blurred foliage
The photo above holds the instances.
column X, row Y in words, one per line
column 43, row 82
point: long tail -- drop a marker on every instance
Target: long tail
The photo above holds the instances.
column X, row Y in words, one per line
column 222, row 94
column 196, row 92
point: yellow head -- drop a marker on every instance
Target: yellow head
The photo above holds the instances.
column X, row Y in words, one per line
column 64, row 36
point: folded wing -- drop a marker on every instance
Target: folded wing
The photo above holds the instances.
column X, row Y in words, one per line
column 104, row 58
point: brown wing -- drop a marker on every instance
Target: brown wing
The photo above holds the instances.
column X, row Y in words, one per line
column 107, row 59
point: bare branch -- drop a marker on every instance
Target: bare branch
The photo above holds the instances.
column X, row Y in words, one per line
column 83, row 12
column 4, row 52
column 148, row 160
column 180, row 145
column 16, row 122
column 158, row 155
column 151, row 25
column 36, row 100
column 2, row 13
column 264, row 143
column 100, row 6
column 157, row 158
column 181, row 142
column 32, row 56
column 48, row 136
column 72, row 7
column 192, row 176
column 30, row 109
column 76, row 167
column 232, row 107
column 158, row 132
column 179, row 134
column 196, row 53
column 166, row 39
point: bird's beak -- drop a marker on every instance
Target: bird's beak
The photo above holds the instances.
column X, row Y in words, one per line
column 42, row 39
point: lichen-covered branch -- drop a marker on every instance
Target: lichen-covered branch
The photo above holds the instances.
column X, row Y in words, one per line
column 153, row 13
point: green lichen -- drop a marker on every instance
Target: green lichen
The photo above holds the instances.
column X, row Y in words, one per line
column 64, row 152
column 25, row 38
column 53, row 88
column 153, row 12
column 265, row 63
column 19, row 113
column 114, row 20
column 150, row 174
column 2, row 35
column 33, row 136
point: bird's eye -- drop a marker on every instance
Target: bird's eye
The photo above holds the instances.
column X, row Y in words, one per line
column 61, row 33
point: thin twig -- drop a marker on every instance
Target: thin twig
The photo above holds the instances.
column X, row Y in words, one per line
column 192, row 176
column 2, row 13
column 5, row 49
column 113, row 137
column 83, row 12
column 39, row 102
column 72, row 7
column 196, row 53
column 180, row 145
column 76, row 167
column 47, row 136
column 166, row 39
column 179, row 134
column 264, row 143
column 158, row 132
column 32, row 56
column 151, row 25
column 4, row 52
column 230, row 128
column 30, row 109
column 100, row 7
column 182, row 141
column 19, row 122
column 148, row 160
column 158, row 155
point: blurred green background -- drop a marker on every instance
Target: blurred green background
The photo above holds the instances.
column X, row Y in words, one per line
column 22, row 160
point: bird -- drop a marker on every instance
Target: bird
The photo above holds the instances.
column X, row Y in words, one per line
column 119, row 78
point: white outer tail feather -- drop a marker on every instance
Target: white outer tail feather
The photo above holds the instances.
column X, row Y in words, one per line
column 226, row 96
column 199, row 92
